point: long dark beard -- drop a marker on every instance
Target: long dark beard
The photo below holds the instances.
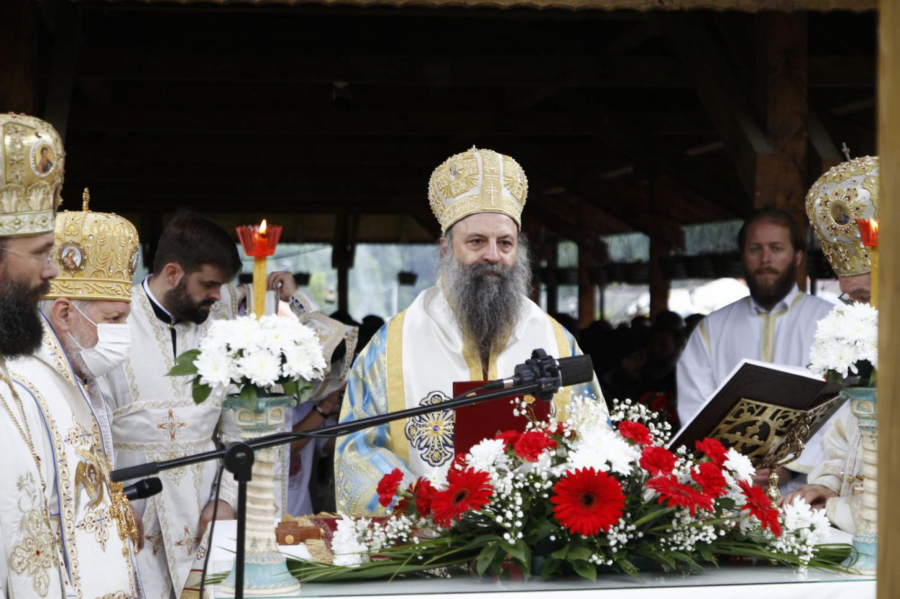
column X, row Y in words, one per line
column 486, row 299
column 21, row 327
column 182, row 306
column 769, row 295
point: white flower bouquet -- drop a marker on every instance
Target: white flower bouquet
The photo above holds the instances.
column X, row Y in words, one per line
column 845, row 348
column 254, row 355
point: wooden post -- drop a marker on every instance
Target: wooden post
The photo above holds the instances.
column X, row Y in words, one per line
column 782, row 85
column 660, row 249
column 659, row 282
column 889, row 284
column 17, row 56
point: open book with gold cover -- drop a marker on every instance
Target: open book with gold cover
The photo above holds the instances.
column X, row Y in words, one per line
column 763, row 410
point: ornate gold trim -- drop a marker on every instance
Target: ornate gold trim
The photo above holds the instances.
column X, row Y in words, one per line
column 396, row 398
column 561, row 399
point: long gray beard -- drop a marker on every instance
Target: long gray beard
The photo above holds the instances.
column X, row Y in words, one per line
column 486, row 298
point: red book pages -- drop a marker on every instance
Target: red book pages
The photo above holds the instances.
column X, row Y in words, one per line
column 485, row 420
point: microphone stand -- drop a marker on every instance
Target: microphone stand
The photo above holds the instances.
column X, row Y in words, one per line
column 238, row 457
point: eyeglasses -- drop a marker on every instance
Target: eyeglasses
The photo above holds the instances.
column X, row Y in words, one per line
column 45, row 257
column 854, row 297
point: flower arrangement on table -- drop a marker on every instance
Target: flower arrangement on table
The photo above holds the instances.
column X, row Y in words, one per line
column 577, row 497
column 254, row 355
column 845, row 347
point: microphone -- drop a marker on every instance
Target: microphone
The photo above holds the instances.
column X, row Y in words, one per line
column 548, row 373
column 143, row 489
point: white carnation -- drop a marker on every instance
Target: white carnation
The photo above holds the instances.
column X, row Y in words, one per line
column 739, row 465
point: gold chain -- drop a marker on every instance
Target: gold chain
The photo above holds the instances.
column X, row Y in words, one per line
column 25, row 437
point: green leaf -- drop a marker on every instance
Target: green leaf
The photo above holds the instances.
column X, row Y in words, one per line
column 579, row 553
column 184, row 364
column 249, row 393
column 549, row 568
column 560, row 553
column 519, row 550
column 485, row 558
column 199, row 391
column 290, row 387
column 585, row 570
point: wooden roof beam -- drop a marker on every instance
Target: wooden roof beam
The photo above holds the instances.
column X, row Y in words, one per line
column 725, row 102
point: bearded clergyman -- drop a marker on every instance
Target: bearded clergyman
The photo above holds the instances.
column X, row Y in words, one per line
column 476, row 324
column 775, row 324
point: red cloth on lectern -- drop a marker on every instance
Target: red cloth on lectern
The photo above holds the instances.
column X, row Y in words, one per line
column 484, row 420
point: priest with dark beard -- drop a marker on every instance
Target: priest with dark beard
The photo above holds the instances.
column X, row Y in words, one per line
column 476, row 324
column 775, row 324
column 65, row 529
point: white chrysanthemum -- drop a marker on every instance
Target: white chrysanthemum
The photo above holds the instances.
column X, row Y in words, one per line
column 488, row 456
column 216, row 338
column 215, row 368
column 346, row 544
column 245, row 333
column 261, row 366
column 739, row 465
column 586, row 414
column 304, row 361
column 797, row 515
column 602, row 450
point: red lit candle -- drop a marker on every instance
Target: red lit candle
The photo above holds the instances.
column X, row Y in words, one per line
column 868, row 232
column 259, row 241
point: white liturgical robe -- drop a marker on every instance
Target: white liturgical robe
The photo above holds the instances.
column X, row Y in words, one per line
column 744, row 330
column 841, row 469
column 156, row 419
column 413, row 360
column 91, row 535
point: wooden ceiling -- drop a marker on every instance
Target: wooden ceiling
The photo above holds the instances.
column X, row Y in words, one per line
column 331, row 119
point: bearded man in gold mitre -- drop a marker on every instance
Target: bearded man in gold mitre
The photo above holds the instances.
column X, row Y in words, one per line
column 847, row 192
column 476, row 324
column 66, row 530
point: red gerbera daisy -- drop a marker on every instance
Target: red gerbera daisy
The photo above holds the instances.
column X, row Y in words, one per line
column 387, row 487
column 679, row 495
column 760, row 506
column 710, row 478
column 587, row 502
column 714, row 450
column 424, row 493
column 466, row 489
column 532, row 444
column 635, row 431
column 509, row 438
column 657, row 460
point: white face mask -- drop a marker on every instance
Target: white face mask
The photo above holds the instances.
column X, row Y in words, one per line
column 113, row 345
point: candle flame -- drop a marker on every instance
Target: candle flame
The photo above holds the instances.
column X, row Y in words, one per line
column 874, row 226
column 262, row 227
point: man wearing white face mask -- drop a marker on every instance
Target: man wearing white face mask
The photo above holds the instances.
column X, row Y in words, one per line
column 96, row 338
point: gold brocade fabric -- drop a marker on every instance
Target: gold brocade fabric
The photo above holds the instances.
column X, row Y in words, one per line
column 847, row 192
column 96, row 254
column 477, row 181
column 32, row 163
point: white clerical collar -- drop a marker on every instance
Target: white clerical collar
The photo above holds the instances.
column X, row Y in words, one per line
column 784, row 305
column 146, row 285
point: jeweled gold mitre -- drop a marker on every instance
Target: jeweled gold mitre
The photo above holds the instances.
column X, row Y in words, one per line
column 477, row 181
column 96, row 254
column 32, row 162
column 847, row 192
